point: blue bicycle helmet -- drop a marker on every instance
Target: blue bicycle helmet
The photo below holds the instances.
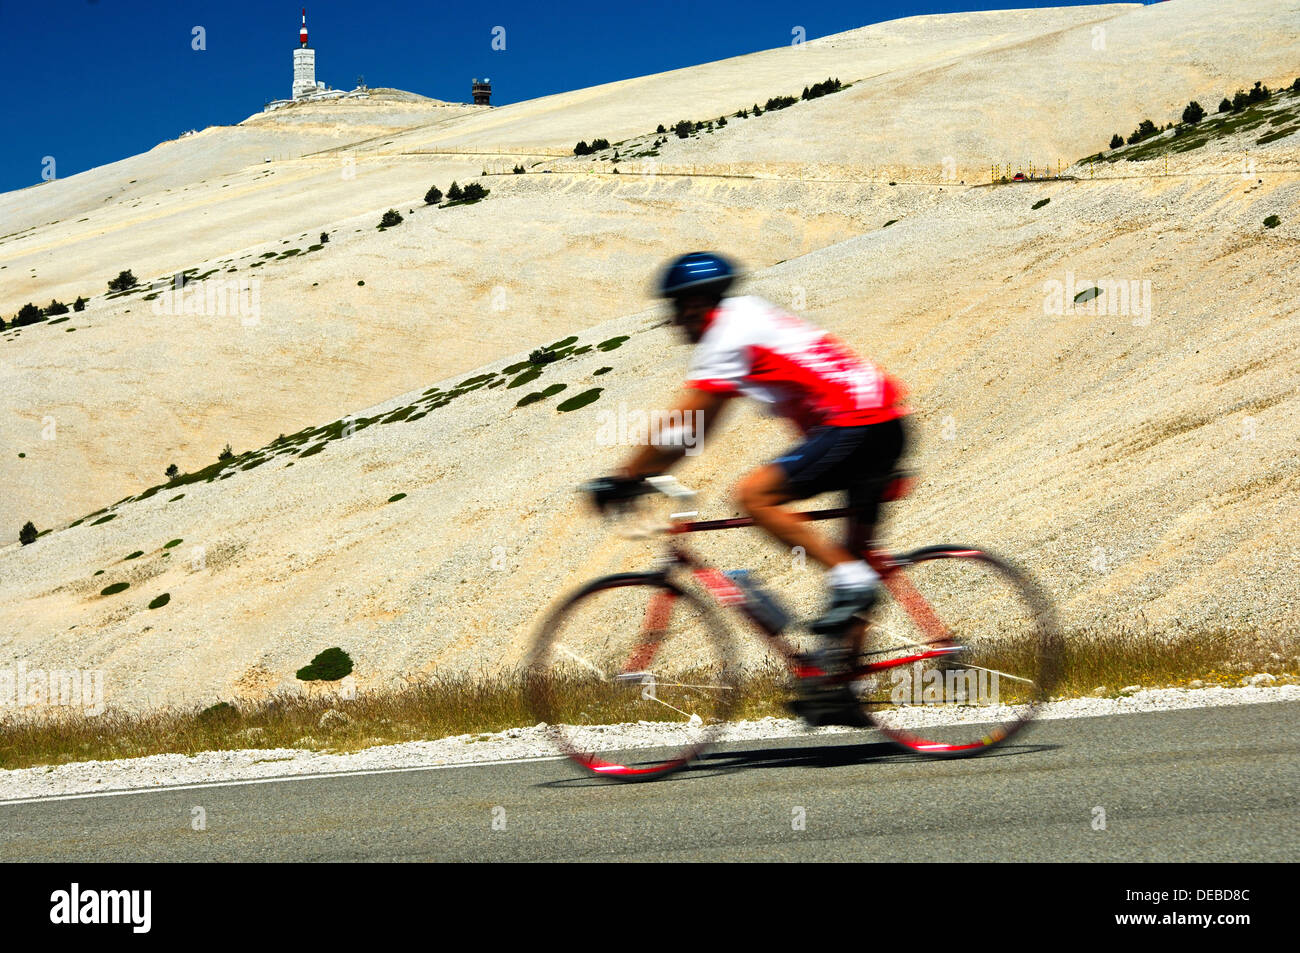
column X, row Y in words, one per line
column 698, row 271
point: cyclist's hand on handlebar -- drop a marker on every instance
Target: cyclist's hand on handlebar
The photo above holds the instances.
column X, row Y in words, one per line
column 613, row 492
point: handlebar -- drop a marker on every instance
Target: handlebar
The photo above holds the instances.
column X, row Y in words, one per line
column 670, row 487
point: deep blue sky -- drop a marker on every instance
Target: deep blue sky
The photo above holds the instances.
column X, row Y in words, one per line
column 92, row 81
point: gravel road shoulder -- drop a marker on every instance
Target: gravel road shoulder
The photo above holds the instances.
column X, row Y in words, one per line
column 209, row 767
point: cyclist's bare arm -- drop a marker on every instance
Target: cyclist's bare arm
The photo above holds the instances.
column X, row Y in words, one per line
column 694, row 405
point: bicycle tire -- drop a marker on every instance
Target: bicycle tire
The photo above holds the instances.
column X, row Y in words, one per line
column 1039, row 642
column 549, row 687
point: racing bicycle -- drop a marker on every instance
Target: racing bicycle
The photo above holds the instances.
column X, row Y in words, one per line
column 636, row 674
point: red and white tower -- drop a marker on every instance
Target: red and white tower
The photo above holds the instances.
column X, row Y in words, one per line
column 304, row 64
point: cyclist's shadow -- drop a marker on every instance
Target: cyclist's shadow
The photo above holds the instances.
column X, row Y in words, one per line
column 827, row 756
column 830, row 755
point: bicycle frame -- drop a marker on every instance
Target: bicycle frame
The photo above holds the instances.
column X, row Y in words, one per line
column 727, row 594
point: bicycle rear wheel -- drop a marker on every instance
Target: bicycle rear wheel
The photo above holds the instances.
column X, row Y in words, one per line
column 962, row 656
column 633, row 676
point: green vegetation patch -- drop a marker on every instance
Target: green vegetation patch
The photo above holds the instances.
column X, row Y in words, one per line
column 173, row 543
column 1245, row 115
column 580, row 400
column 1262, row 141
column 161, row 601
column 1039, row 204
column 328, row 666
column 104, row 519
column 135, row 555
column 612, row 343
column 396, row 496
column 526, row 377
column 220, row 714
column 115, row 588
column 537, row 395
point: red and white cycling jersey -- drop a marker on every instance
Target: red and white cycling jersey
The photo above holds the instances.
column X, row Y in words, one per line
column 753, row 347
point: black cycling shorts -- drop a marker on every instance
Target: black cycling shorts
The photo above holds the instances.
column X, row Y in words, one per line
column 858, row 460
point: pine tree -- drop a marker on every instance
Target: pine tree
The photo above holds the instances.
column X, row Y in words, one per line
column 125, row 280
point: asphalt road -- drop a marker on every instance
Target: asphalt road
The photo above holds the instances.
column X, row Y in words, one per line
column 1217, row 784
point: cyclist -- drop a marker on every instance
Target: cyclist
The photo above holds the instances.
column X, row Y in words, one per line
column 850, row 416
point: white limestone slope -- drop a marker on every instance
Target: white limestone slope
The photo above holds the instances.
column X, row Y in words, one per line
column 1070, row 434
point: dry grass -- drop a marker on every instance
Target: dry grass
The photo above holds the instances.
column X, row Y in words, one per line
column 1093, row 663
column 1115, row 658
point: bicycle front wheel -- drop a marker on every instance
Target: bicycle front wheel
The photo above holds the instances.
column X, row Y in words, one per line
column 963, row 655
column 633, row 676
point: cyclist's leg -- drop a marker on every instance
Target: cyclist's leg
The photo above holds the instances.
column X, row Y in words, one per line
column 824, row 462
column 855, row 584
column 763, row 494
column 876, row 460
column 804, row 471
column 816, row 466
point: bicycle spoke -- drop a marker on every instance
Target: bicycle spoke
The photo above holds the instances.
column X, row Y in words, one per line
column 569, row 653
column 690, row 716
column 718, row 688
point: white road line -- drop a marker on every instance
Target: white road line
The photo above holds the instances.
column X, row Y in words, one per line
column 274, row 780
